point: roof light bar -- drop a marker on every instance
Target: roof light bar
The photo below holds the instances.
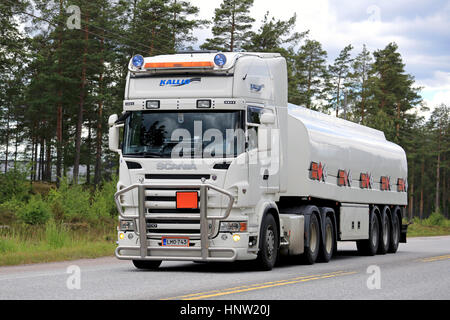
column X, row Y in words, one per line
column 179, row 65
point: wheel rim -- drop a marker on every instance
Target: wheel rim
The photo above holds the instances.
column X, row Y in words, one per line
column 270, row 241
column 313, row 238
column 328, row 238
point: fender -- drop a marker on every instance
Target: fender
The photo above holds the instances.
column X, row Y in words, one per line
column 264, row 207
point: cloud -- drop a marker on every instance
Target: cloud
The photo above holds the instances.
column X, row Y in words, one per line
column 420, row 28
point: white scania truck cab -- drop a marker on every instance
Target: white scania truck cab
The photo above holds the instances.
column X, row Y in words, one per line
column 215, row 165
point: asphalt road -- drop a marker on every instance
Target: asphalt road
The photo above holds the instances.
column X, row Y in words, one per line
column 419, row 270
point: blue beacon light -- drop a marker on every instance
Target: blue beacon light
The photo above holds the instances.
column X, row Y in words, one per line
column 138, row 61
column 220, row 59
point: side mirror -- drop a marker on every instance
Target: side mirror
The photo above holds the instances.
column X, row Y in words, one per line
column 113, row 133
column 267, row 118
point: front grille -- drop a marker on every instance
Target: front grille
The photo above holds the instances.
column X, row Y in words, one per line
column 162, row 214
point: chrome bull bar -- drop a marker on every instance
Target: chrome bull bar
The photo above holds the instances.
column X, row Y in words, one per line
column 204, row 232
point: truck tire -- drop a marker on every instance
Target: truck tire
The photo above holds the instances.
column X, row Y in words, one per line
column 395, row 234
column 369, row 247
column 268, row 244
column 327, row 247
column 385, row 232
column 312, row 251
column 147, row 264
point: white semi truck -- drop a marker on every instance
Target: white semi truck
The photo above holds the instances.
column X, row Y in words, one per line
column 216, row 165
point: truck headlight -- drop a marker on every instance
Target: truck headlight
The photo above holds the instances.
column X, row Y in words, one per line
column 233, row 226
column 126, row 225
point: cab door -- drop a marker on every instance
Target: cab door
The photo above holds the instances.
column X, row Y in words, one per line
column 263, row 160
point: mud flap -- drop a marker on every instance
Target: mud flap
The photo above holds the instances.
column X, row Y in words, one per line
column 403, row 233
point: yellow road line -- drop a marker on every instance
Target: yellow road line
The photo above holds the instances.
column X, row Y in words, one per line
column 438, row 258
column 257, row 286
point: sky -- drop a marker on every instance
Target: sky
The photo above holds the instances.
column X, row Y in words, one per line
column 421, row 29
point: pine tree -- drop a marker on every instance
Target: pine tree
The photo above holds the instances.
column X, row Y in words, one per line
column 338, row 73
column 361, row 68
column 275, row 36
column 310, row 74
column 391, row 89
column 232, row 25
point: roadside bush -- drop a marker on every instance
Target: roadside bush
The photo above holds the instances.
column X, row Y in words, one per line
column 68, row 202
column 8, row 211
column 435, row 219
column 103, row 205
column 35, row 212
column 14, row 184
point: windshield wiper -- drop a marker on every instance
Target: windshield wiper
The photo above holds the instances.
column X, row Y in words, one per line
column 144, row 154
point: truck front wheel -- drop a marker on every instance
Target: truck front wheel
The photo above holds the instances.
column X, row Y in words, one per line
column 268, row 246
column 147, row 264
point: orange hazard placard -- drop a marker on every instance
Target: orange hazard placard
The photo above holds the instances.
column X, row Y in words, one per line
column 187, row 200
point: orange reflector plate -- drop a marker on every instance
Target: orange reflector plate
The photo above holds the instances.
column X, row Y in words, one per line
column 187, row 200
column 192, row 64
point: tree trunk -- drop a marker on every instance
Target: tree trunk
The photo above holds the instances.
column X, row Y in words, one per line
column 16, row 146
column 436, row 204
column 7, row 141
column 41, row 158
column 422, row 170
column 88, row 158
column 338, row 97
column 411, row 194
column 233, row 25
column 444, row 187
column 59, row 112
column 98, row 154
column 397, row 126
column 35, row 158
column 76, row 165
column 48, row 170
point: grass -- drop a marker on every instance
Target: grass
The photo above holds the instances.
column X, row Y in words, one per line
column 419, row 230
column 40, row 254
column 435, row 225
column 22, row 244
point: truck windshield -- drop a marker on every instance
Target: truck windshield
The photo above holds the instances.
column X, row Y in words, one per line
column 186, row 134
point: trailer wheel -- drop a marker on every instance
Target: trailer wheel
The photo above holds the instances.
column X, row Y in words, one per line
column 395, row 234
column 385, row 232
column 147, row 264
column 312, row 251
column 268, row 246
column 369, row 247
column 327, row 247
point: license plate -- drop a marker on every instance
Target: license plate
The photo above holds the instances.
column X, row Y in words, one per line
column 175, row 242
